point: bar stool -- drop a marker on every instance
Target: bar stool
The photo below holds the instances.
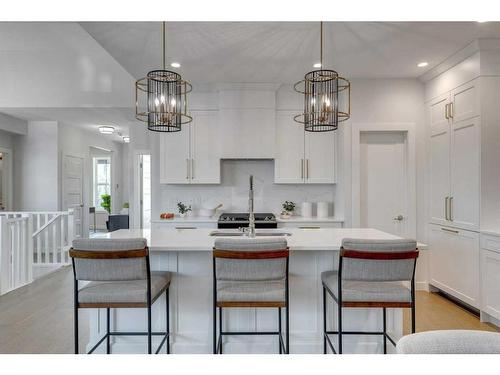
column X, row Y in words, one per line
column 120, row 277
column 250, row 273
column 370, row 275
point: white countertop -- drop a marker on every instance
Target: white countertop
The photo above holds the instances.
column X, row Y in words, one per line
column 214, row 219
column 179, row 240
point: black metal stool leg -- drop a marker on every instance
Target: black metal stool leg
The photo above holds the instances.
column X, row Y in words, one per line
column 413, row 323
column 340, row 326
column 324, row 320
column 76, row 329
column 220, row 328
column 167, row 301
column 108, row 338
column 149, row 331
column 384, row 317
column 279, row 329
column 287, row 329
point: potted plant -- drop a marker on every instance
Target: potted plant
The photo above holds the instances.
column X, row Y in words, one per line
column 106, row 202
column 125, row 208
column 183, row 209
column 288, row 208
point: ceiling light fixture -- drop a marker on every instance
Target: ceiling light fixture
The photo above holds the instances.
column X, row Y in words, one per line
column 106, row 129
column 126, row 139
column 317, row 65
column 422, row 64
column 175, row 65
column 164, row 107
column 327, row 97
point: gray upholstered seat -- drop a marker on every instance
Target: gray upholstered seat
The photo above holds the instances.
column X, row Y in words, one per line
column 133, row 291
column 362, row 291
column 450, row 342
column 251, row 280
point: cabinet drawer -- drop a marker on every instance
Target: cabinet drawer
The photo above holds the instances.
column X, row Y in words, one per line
column 490, row 283
column 491, row 243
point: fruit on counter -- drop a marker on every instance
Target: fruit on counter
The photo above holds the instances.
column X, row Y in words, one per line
column 166, row 215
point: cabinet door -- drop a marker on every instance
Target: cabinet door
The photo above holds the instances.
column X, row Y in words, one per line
column 205, row 148
column 455, row 262
column 465, row 174
column 289, row 161
column 465, row 101
column 438, row 120
column 174, row 157
column 320, row 157
column 439, row 171
column 490, row 282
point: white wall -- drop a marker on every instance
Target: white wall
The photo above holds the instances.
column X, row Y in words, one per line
column 12, row 124
column 6, row 139
column 36, row 168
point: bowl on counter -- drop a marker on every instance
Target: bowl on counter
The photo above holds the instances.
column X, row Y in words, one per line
column 208, row 212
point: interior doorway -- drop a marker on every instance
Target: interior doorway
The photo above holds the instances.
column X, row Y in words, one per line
column 384, row 195
column 145, row 190
column 6, row 179
column 72, row 190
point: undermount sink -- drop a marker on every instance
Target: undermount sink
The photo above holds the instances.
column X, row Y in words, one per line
column 218, row 233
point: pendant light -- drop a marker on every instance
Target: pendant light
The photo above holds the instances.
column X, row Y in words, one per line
column 164, row 107
column 327, row 97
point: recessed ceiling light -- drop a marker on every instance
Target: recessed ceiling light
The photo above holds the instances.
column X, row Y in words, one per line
column 106, row 129
column 422, row 64
column 126, row 139
column 317, row 65
column 175, row 65
column 481, row 21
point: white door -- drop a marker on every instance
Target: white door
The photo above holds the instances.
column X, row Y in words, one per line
column 465, row 174
column 72, row 188
column 289, row 163
column 174, row 157
column 383, row 181
column 6, row 181
column 205, row 148
column 320, row 157
column 455, row 262
column 439, row 159
column 465, row 101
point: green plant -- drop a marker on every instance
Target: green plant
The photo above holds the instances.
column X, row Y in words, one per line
column 288, row 206
column 183, row 208
column 126, row 205
column 106, row 202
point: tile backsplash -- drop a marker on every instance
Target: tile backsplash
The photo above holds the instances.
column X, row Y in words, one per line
column 233, row 190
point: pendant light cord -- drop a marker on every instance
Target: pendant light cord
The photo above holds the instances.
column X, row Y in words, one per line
column 163, row 31
column 321, row 45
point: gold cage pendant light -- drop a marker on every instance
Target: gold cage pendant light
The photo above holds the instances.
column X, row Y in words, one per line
column 327, row 98
column 161, row 98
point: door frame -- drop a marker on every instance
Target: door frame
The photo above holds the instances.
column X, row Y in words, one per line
column 137, row 194
column 9, row 186
column 408, row 129
column 85, row 206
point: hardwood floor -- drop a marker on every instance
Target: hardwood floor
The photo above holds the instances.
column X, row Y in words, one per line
column 38, row 318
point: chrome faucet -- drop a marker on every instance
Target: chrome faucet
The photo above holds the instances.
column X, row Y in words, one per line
column 251, row 216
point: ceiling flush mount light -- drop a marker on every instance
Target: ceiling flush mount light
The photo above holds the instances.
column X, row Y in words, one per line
column 126, row 139
column 327, row 97
column 422, row 64
column 164, row 105
column 106, row 129
column 175, row 65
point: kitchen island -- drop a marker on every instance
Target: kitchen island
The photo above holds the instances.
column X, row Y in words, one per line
column 187, row 254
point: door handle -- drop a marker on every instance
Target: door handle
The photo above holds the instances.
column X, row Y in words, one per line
column 399, row 218
column 451, row 110
column 307, row 168
column 446, row 111
column 450, row 230
column 192, row 168
column 450, row 203
column 446, row 208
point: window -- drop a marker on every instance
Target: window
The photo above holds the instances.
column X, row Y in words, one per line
column 102, row 179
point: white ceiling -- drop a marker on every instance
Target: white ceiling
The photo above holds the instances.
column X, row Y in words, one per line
column 88, row 119
column 283, row 51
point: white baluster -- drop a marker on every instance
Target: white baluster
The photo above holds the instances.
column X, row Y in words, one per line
column 47, row 248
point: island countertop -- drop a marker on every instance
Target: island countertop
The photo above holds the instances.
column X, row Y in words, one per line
column 299, row 239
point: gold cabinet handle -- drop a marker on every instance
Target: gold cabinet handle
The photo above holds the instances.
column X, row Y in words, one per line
column 451, row 110
column 187, row 169
column 446, row 208
column 301, row 169
column 192, row 169
column 450, row 230
column 446, row 111
column 307, row 169
column 451, row 208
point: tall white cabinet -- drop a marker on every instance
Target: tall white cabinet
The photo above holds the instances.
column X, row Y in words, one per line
column 463, row 130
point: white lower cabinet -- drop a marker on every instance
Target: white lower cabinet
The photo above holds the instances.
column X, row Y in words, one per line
column 490, row 275
column 454, row 262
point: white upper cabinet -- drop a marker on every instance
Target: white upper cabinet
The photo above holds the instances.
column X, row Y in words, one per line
column 192, row 156
column 300, row 156
column 454, row 157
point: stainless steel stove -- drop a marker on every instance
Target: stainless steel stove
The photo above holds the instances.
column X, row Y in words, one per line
column 241, row 220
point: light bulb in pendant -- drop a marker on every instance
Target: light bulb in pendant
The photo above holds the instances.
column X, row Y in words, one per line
column 157, row 102
column 173, row 102
column 162, row 99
